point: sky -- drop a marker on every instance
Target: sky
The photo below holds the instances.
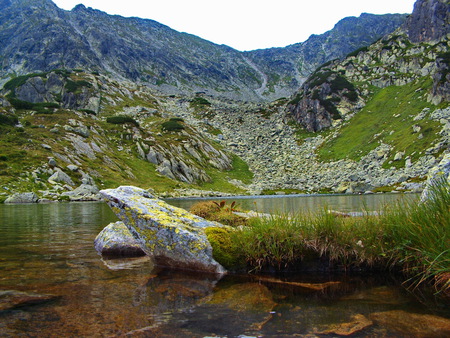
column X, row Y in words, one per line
column 246, row 24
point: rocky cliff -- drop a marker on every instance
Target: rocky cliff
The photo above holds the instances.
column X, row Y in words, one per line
column 37, row 36
column 340, row 88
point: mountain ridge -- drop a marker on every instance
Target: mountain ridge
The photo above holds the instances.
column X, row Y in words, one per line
column 145, row 51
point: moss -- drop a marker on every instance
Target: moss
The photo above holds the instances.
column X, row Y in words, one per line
column 223, row 250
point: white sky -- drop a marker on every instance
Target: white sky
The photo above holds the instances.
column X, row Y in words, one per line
column 246, row 24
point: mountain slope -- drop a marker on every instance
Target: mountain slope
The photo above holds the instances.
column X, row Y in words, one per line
column 37, row 36
column 287, row 68
column 384, row 108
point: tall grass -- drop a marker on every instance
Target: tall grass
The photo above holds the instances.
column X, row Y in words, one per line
column 411, row 237
column 420, row 237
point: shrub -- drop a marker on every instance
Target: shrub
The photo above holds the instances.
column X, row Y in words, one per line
column 8, row 120
column 121, row 119
column 172, row 125
column 200, row 101
column 75, row 86
column 359, row 50
column 20, row 80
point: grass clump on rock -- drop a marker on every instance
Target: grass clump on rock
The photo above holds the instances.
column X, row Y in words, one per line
column 219, row 212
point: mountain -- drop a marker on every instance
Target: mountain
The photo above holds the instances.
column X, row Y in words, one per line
column 287, row 68
column 375, row 119
column 37, row 36
column 383, row 112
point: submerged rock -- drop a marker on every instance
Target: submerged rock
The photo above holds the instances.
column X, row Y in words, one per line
column 11, row 299
column 358, row 323
column 412, row 324
column 115, row 240
column 172, row 236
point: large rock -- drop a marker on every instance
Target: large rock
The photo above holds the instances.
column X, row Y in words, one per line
column 25, row 197
column 172, row 236
column 115, row 240
column 441, row 172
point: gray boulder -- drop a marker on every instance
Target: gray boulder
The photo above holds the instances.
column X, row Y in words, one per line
column 25, row 197
column 172, row 236
column 60, row 177
column 115, row 240
column 436, row 174
column 85, row 192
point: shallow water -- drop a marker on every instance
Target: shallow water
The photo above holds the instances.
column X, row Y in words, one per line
column 48, row 249
column 302, row 203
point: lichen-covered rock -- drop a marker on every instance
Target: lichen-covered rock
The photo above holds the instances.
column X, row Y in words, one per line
column 115, row 240
column 25, row 197
column 172, row 236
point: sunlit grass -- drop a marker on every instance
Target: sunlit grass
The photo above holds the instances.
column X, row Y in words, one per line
column 388, row 117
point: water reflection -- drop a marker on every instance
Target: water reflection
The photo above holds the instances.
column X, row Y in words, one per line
column 48, row 249
column 294, row 203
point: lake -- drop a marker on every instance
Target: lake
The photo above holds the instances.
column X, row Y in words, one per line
column 47, row 249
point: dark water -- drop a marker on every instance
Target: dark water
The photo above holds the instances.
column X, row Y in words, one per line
column 48, row 249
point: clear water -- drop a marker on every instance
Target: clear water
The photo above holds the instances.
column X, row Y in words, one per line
column 48, row 249
column 296, row 203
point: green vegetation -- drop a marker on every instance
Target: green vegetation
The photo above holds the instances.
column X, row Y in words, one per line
column 409, row 237
column 356, row 52
column 219, row 212
column 76, row 86
column 121, row 119
column 10, row 120
column 388, row 116
column 20, row 80
column 174, row 124
column 199, row 102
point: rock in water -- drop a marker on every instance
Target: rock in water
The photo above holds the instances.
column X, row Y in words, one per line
column 115, row 240
column 172, row 236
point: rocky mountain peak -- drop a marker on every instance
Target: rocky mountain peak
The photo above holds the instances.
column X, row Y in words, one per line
column 429, row 21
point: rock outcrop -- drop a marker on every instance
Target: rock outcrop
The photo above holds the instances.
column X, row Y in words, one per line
column 171, row 236
column 437, row 174
column 429, row 21
column 25, row 197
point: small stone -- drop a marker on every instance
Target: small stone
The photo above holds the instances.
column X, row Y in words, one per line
column 52, row 162
column 73, row 167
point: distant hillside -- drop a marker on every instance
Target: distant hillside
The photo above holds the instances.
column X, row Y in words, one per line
column 37, row 36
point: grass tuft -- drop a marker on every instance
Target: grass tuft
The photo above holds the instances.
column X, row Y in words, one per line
column 410, row 237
